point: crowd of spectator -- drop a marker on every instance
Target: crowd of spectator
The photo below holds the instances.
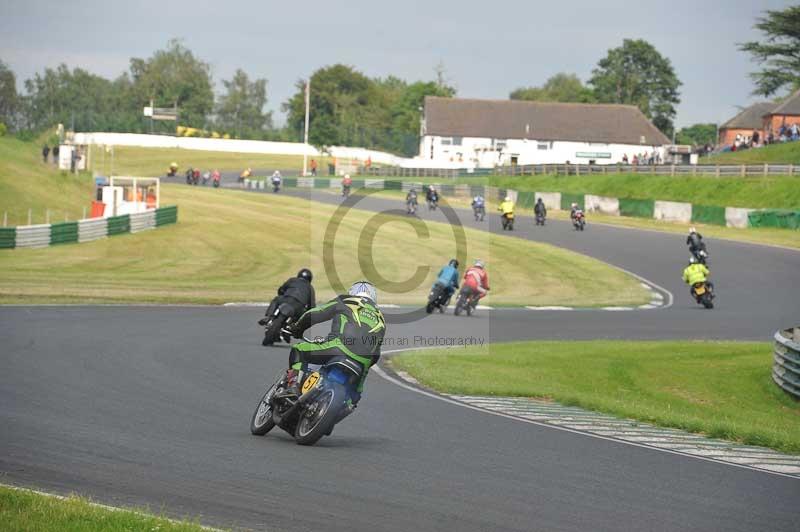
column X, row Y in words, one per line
column 644, row 158
column 786, row 133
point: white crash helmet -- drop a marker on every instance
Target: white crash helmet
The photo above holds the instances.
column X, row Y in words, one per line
column 508, row 198
column 364, row 289
column 479, row 263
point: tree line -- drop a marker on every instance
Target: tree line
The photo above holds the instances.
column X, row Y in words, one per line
column 350, row 108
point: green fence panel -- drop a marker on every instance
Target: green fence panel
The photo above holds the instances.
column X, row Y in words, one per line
column 118, row 225
column 477, row 190
column 526, row 199
column 166, row 215
column 290, row 181
column 708, row 214
column 8, row 237
column 568, row 199
column 321, row 182
column 639, row 208
column 63, row 233
column 774, row 218
column 358, row 183
column 393, row 185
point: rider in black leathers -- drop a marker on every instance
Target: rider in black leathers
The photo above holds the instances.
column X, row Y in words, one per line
column 297, row 293
column 540, row 209
column 695, row 243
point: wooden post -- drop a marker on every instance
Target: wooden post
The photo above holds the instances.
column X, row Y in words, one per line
column 766, row 169
column 791, row 169
column 672, row 170
column 717, row 173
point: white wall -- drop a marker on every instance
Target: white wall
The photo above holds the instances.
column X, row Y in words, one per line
column 192, row 143
column 483, row 152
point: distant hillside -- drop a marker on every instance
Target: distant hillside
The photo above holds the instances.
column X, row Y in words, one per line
column 788, row 153
column 28, row 183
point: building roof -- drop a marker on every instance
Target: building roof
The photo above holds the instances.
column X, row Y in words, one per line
column 789, row 106
column 515, row 119
column 751, row 117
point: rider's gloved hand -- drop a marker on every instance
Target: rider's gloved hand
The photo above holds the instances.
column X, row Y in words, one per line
column 263, row 321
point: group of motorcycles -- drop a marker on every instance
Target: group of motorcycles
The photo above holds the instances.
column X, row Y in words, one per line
column 439, row 299
column 703, row 292
column 193, row 176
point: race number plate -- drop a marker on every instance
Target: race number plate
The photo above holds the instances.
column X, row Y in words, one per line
column 700, row 290
column 311, row 381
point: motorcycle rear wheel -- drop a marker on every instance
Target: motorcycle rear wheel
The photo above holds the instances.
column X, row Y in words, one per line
column 318, row 418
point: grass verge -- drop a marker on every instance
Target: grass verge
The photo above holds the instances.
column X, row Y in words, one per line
column 787, row 153
column 237, row 246
column 720, row 389
column 26, row 510
column 131, row 160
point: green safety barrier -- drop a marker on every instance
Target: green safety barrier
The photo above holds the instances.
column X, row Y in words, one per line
column 568, row 199
column 358, row 183
column 8, row 237
column 164, row 215
column 774, row 218
column 118, row 224
column 290, row 181
column 708, row 214
column 526, row 199
column 64, row 233
column 393, row 185
column 321, row 182
column 639, row 208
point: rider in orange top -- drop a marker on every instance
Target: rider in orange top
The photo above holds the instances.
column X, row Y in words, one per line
column 477, row 279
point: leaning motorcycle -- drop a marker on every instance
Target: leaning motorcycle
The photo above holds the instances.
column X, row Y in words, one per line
column 579, row 221
column 281, row 316
column 438, row 298
column 327, row 395
column 508, row 221
column 704, row 294
column 466, row 302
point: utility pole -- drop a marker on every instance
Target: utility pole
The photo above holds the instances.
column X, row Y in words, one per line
column 305, row 134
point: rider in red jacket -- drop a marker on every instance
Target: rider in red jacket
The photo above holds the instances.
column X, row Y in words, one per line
column 477, row 279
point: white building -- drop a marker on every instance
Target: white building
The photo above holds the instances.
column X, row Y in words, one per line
column 487, row 133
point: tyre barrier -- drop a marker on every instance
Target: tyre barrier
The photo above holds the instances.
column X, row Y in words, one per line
column 44, row 235
column 786, row 361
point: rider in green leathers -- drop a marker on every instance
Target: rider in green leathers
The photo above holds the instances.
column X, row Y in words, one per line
column 357, row 330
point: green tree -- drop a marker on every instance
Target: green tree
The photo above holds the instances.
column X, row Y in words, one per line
column 636, row 74
column 240, row 110
column 9, row 99
column 174, row 76
column 697, row 135
column 778, row 52
column 561, row 87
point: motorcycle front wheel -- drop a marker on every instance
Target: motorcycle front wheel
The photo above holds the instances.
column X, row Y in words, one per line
column 321, row 415
column 262, row 422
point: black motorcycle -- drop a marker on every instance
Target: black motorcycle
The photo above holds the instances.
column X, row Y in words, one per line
column 540, row 219
column 508, row 221
column 326, row 397
column 282, row 315
column 467, row 301
column 579, row 221
column 479, row 211
column 411, row 206
column 345, row 190
column 433, row 202
column 704, row 294
column 701, row 255
column 438, row 298
column 276, row 186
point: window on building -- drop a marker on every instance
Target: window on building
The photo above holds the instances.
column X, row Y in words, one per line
column 499, row 144
column 447, row 141
column 543, row 146
column 457, row 141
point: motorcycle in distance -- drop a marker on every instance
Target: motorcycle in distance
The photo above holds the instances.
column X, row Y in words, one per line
column 215, row 179
column 579, row 220
column 479, row 211
column 437, row 299
column 540, row 219
column 701, row 255
column 467, row 301
column 508, row 221
column 276, row 185
column 411, row 206
column 326, row 397
column 704, row 294
column 433, row 203
column 345, row 191
column 277, row 320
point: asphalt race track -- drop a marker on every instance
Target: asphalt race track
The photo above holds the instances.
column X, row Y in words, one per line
column 150, row 406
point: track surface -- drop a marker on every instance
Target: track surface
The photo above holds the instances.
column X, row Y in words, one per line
column 150, row 406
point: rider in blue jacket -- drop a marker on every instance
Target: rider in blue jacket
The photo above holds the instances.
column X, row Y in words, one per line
column 448, row 277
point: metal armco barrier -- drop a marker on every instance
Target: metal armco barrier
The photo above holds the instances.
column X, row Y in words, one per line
column 43, row 235
column 786, row 361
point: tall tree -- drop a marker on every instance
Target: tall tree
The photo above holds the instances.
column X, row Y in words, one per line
column 697, row 134
column 241, row 109
column 778, row 52
column 174, row 76
column 9, row 100
column 561, row 87
column 636, row 74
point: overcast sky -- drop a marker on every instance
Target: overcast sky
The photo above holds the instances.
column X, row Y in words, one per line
column 487, row 48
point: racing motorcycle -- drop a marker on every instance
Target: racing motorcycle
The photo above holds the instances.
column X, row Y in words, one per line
column 704, row 294
column 326, row 396
column 276, row 186
column 280, row 317
column 508, row 221
column 579, row 220
column 411, row 206
column 540, row 219
column 701, row 255
column 438, row 298
column 479, row 211
column 345, row 190
column 467, row 301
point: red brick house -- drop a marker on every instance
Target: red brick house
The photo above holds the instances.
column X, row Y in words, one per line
column 745, row 123
column 785, row 113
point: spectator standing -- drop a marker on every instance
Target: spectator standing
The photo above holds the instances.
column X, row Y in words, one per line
column 45, row 152
column 55, row 154
column 625, row 159
column 314, row 167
